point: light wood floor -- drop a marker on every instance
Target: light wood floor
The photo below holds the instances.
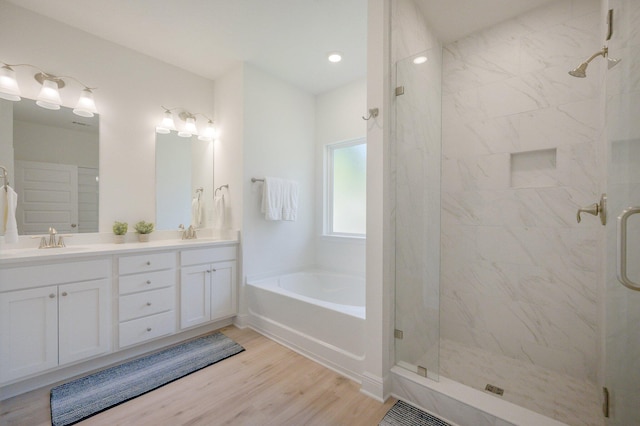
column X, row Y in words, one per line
column 267, row 384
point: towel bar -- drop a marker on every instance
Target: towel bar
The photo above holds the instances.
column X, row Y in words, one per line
column 254, row 180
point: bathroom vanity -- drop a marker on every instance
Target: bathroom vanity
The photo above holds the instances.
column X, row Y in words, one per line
column 72, row 310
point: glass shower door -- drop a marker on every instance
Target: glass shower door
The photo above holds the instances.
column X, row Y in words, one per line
column 622, row 376
column 417, row 154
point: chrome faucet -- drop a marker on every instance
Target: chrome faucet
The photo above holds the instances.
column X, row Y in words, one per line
column 189, row 233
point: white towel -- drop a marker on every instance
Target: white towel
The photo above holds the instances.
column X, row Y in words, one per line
column 290, row 201
column 219, row 212
column 9, row 225
column 279, row 199
column 196, row 213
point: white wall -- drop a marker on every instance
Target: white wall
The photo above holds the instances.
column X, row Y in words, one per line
column 228, row 148
column 338, row 118
column 131, row 88
column 278, row 141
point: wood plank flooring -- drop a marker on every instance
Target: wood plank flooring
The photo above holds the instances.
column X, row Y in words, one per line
column 267, row 384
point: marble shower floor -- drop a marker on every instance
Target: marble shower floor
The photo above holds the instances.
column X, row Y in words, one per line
column 559, row 396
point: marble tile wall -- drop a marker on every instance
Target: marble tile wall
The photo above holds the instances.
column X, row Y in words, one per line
column 519, row 275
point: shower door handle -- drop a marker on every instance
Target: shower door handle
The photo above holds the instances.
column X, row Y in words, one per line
column 622, row 249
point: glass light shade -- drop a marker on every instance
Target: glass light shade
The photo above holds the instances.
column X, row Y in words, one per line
column 189, row 128
column 86, row 106
column 49, row 96
column 167, row 124
column 209, row 133
column 419, row 60
column 8, row 84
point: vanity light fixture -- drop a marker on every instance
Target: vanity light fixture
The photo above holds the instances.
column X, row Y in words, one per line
column 190, row 129
column 49, row 96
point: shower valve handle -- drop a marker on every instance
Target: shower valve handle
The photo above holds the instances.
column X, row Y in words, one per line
column 596, row 209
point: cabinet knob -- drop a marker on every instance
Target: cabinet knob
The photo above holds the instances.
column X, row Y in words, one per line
column 148, row 262
column 148, row 328
column 213, row 270
column 52, row 296
column 64, row 293
column 208, row 271
column 148, row 281
column 148, row 303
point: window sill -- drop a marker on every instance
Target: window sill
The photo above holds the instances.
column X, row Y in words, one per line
column 344, row 239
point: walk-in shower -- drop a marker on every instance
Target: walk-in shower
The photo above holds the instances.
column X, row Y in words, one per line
column 498, row 289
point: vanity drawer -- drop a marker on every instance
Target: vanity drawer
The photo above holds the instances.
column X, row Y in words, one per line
column 146, row 281
column 209, row 255
column 146, row 262
column 147, row 303
column 147, row 328
column 43, row 275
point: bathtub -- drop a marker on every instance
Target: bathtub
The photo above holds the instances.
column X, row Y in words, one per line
column 320, row 314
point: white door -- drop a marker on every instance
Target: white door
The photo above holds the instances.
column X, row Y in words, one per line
column 223, row 294
column 84, row 320
column 195, row 295
column 47, row 197
column 28, row 332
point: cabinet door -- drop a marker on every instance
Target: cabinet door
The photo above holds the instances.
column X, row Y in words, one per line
column 195, row 295
column 85, row 320
column 28, row 332
column 223, row 290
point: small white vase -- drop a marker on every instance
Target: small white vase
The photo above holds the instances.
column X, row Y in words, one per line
column 143, row 238
column 119, row 239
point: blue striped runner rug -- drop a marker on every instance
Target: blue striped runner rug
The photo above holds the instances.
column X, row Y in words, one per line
column 81, row 398
column 403, row 414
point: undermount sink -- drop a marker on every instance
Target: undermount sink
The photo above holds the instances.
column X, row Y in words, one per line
column 38, row 251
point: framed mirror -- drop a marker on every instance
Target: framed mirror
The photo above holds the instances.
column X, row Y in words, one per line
column 53, row 161
column 184, row 182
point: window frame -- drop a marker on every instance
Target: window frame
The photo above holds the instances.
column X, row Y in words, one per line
column 328, row 180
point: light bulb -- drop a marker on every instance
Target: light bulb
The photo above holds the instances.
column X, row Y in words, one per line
column 8, row 84
column 334, row 57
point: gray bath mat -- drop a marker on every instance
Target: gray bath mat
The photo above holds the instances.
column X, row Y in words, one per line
column 403, row 414
column 89, row 395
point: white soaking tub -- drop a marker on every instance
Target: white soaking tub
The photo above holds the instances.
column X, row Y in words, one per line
column 320, row 314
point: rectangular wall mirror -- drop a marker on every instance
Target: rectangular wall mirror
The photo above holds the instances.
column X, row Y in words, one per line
column 52, row 157
column 184, row 182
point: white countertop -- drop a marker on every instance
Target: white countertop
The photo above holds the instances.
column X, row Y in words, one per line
column 101, row 248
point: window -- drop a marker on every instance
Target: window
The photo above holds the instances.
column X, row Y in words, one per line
column 346, row 184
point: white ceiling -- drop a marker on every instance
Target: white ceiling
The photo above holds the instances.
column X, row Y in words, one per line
column 288, row 38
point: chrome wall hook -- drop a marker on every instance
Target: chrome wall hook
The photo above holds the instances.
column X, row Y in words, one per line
column 373, row 113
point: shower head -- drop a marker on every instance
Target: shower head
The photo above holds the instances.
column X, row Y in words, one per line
column 581, row 70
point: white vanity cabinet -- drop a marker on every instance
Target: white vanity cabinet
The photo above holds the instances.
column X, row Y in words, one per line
column 146, row 297
column 207, row 285
column 52, row 315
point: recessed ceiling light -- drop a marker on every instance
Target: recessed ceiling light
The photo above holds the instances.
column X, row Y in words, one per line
column 334, row 57
column 419, row 60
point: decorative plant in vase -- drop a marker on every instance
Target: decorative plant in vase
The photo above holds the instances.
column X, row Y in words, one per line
column 144, row 229
column 119, row 231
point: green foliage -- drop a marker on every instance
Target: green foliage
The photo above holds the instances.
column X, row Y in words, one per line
column 143, row 227
column 120, row 228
